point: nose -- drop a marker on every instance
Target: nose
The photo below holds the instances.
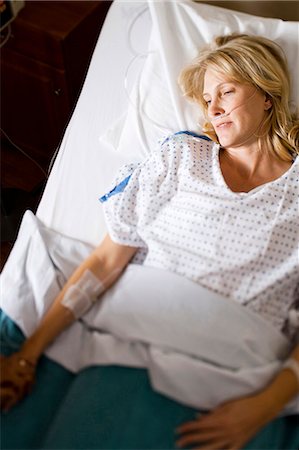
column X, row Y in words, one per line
column 215, row 109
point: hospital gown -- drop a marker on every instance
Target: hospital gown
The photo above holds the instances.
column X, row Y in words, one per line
column 177, row 207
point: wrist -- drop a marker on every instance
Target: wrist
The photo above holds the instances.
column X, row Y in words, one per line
column 292, row 365
column 269, row 405
column 30, row 352
column 281, row 390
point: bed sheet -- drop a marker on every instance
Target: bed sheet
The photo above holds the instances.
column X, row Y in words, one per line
column 84, row 165
column 219, row 344
column 118, row 410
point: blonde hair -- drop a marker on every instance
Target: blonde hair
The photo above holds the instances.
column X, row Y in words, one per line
column 260, row 62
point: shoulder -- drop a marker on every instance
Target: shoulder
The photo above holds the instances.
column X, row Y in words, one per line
column 187, row 146
column 187, row 137
column 292, row 178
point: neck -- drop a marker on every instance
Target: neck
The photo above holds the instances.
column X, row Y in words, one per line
column 244, row 169
column 247, row 161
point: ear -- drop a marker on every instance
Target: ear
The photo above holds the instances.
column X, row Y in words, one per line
column 268, row 103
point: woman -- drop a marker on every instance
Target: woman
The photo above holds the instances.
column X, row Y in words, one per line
column 244, row 184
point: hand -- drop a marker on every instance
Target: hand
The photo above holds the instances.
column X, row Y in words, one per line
column 230, row 426
column 17, row 378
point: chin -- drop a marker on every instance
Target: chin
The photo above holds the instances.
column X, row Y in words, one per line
column 224, row 139
column 227, row 141
column 224, row 142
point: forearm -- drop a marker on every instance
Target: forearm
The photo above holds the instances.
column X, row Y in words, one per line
column 57, row 318
column 106, row 266
column 283, row 388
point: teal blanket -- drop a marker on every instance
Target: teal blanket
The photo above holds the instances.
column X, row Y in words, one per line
column 105, row 407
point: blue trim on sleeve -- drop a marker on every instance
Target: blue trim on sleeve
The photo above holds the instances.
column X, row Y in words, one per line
column 119, row 188
column 189, row 133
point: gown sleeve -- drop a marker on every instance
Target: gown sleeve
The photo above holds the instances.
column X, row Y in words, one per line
column 139, row 193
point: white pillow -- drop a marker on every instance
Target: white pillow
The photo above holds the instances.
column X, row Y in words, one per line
column 180, row 29
column 146, row 305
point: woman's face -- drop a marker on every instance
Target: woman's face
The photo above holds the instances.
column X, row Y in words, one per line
column 236, row 110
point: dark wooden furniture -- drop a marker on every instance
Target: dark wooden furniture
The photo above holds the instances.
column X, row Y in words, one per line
column 281, row 9
column 43, row 66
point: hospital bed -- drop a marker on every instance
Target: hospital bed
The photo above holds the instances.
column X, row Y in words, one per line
column 129, row 102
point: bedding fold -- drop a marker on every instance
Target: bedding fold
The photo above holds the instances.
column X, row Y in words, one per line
column 200, row 349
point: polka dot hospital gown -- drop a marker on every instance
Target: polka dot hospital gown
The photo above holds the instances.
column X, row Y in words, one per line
column 178, row 209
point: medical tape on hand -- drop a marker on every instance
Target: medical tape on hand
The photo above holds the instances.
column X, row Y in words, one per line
column 80, row 296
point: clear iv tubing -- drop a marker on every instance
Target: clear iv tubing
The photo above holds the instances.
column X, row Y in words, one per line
column 135, row 52
column 221, row 116
column 24, row 153
column 7, row 37
column 138, row 56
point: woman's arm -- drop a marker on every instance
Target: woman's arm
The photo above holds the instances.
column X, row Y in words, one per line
column 284, row 386
column 106, row 263
column 234, row 423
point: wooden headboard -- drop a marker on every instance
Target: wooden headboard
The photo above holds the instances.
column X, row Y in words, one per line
column 286, row 10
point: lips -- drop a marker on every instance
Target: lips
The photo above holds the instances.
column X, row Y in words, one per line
column 223, row 124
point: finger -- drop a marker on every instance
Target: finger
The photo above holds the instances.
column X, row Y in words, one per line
column 5, row 394
column 17, row 380
column 5, row 400
column 211, row 416
column 10, row 402
column 27, row 388
column 199, row 424
column 217, row 445
column 8, row 399
column 6, row 386
column 209, row 434
column 189, row 439
column 197, row 437
column 12, row 393
column 187, row 426
column 24, row 374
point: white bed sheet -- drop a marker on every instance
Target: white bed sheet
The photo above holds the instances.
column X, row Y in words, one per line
column 218, row 344
column 84, row 165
